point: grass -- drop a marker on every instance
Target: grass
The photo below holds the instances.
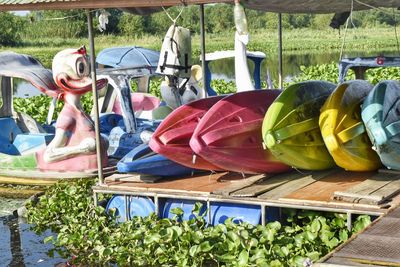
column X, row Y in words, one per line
column 297, row 41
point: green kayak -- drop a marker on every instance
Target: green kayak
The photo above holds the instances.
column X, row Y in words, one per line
column 290, row 128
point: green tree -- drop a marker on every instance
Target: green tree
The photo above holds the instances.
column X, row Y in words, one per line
column 10, row 29
column 132, row 25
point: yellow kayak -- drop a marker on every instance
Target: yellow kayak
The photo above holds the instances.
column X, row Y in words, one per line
column 343, row 131
column 290, row 128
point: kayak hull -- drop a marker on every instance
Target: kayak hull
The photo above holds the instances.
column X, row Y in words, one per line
column 171, row 139
column 343, row 131
column 229, row 134
column 290, row 127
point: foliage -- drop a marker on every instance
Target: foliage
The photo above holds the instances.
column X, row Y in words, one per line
column 38, row 106
column 10, row 29
column 329, row 72
column 90, row 236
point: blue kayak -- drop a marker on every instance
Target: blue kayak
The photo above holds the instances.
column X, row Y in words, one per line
column 381, row 116
column 144, row 161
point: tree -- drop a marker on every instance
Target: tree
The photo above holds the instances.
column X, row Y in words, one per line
column 10, row 29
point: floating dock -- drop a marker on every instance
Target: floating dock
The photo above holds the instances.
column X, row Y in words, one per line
column 335, row 190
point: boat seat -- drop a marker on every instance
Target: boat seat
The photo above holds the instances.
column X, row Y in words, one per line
column 29, row 142
column 7, row 135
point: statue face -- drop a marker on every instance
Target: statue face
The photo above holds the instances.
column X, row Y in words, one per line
column 71, row 71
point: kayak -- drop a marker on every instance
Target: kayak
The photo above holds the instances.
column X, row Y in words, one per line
column 380, row 114
column 143, row 160
column 343, row 131
column 290, row 129
column 172, row 137
column 229, row 134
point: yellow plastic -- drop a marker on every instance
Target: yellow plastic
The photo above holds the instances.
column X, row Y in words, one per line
column 342, row 128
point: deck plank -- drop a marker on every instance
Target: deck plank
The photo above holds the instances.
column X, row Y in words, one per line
column 295, row 184
column 240, row 184
column 268, row 184
column 203, row 183
column 371, row 190
column 323, row 189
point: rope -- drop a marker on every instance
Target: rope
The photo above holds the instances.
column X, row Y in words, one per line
column 395, row 31
column 345, row 32
column 176, row 18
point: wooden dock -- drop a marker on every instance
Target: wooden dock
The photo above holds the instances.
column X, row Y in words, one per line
column 333, row 190
column 377, row 245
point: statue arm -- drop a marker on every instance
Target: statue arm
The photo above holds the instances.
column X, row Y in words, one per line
column 57, row 150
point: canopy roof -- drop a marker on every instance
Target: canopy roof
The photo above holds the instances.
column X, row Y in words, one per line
column 283, row 6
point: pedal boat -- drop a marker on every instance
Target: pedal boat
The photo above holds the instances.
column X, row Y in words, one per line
column 30, row 155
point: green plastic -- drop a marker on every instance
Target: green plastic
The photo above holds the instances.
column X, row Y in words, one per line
column 290, row 128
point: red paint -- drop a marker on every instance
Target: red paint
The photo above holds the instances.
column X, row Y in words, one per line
column 229, row 134
column 171, row 139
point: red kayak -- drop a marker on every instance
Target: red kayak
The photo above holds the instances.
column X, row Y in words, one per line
column 171, row 139
column 229, row 134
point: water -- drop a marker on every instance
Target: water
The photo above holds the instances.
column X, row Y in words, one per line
column 19, row 246
column 225, row 69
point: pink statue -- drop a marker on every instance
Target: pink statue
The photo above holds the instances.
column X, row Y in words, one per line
column 73, row 147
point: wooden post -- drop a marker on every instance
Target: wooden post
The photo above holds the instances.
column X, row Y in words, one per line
column 280, row 51
column 203, row 47
column 95, row 96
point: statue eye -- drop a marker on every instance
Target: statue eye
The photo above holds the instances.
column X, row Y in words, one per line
column 81, row 68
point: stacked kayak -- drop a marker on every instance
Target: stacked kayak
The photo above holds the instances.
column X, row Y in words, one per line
column 172, row 137
column 342, row 129
column 143, row 160
column 290, row 129
column 381, row 116
column 229, row 134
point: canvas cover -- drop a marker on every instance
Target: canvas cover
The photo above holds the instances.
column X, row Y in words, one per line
column 176, row 53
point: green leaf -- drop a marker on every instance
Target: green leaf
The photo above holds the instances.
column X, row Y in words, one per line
column 48, row 239
column 193, row 250
column 243, row 258
column 205, row 246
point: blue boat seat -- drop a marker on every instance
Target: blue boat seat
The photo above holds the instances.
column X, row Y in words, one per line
column 9, row 131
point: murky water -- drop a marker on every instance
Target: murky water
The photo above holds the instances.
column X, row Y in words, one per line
column 19, row 246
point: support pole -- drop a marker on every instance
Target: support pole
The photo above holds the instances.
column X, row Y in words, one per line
column 280, row 51
column 95, row 96
column 203, row 48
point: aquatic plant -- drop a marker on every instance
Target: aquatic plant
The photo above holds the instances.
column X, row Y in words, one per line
column 86, row 234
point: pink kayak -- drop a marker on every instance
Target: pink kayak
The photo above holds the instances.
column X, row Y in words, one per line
column 171, row 139
column 229, row 134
